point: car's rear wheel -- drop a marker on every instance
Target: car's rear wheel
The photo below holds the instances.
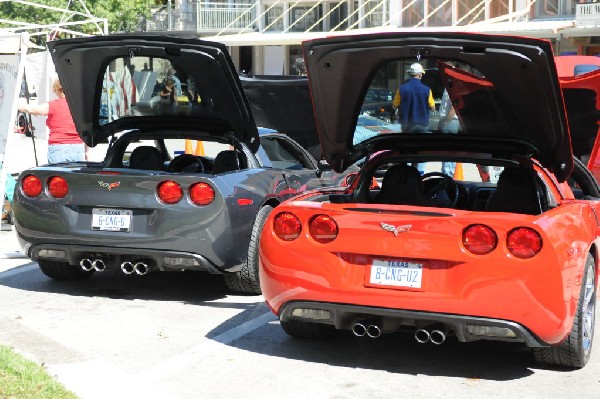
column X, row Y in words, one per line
column 246, row 280
column 63, row 271
column 308, row 330
column 574, row 351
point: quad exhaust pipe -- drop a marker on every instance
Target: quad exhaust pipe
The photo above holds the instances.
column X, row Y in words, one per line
column 370, row 330
column 436, row 337
column 140, row 268
column 88, row 264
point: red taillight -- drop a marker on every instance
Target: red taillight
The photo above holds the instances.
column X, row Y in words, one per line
column 524, row 242
column 31, row 186
column 479, row 239
column 323, row 229
column 287, row 226
column 202, row 193
column 169, row 192
column 57, row 187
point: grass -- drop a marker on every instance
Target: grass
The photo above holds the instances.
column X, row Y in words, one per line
column 21, row 378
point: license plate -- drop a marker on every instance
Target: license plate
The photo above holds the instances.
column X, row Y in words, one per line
column 396, row 273
column 109, row 219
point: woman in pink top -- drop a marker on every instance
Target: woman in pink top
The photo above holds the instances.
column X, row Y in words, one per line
column 64, row 143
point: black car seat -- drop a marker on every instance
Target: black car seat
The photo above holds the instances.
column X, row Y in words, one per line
column 227, row 161
column 516, row 192
column 146, row 158
column 402, row 185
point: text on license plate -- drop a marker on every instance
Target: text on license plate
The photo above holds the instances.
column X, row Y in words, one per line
column 107, row 219
column 396, row 273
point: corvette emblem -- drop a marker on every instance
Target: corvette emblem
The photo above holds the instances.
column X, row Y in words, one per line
column 396, row 229
column 108, row 186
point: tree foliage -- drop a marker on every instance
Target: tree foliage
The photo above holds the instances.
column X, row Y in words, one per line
column 122, row 16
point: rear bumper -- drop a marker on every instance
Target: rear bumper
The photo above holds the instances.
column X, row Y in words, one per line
column 344, row 316
column 113, row 257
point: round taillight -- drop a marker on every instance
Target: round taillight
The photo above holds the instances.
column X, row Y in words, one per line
column 323, row 229
column 287, row 226
column 523, row 242
column 58, row 187
column 169, row 192
column 479, row 239
column 31, row 186
column 202, row 193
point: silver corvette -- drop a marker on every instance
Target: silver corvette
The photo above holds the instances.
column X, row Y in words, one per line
column 188, row 180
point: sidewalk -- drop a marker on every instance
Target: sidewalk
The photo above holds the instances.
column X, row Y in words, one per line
column 9, row 246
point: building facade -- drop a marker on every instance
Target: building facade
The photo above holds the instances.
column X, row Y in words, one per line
column 264, row 36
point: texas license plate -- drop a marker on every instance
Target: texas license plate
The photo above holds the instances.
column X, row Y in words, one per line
column 396, row 273
column 110, row 219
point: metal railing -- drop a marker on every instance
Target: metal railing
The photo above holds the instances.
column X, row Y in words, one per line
column 203, row 17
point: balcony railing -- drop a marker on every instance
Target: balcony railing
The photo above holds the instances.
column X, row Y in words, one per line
column 229, row 17
column 204, row 17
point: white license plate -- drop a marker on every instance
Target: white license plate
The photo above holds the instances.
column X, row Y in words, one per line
column 110, row 219
column 396, row 273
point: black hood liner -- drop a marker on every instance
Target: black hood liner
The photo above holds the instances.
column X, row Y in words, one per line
column 283, row 103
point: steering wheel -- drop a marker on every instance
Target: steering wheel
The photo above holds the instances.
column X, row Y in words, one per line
column 186, row 163
column 441, row 188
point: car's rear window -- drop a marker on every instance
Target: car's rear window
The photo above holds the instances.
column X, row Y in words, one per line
column 149, row 86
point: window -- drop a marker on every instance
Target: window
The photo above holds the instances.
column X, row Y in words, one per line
column 283, row 154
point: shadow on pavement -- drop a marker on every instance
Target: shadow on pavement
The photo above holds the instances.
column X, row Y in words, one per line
column 190, row 287
column 397, row 353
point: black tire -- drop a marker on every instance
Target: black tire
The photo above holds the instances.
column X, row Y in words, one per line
column 246, row 280
column 63, row 271
column 574, row 351
column 307, row 330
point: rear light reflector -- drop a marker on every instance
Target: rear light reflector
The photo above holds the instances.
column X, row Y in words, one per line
column 490, row 331
column 244, row 201
column 202, row 193
column 523, row 242
column 287, row 226
column 313, row 314
column 479, row 239
column 169, row 192
column 31, row 186
column 323, row 229
column 58, row 187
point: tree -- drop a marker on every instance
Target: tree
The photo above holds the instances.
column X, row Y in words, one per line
column 122, row 16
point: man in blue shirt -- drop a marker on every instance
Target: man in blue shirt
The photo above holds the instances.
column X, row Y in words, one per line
column 414, row 100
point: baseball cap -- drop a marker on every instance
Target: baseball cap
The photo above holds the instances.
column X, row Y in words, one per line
column 416, row 68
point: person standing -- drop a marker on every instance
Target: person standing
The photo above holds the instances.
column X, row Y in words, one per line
column 64, row 143
column 414, row 101
column 448, row 123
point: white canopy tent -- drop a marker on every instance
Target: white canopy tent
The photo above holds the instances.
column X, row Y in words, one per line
column 16, row 58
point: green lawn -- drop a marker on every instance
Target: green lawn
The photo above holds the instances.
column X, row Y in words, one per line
column 21, row 378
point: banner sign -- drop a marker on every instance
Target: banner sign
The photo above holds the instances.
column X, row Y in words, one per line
column 10, row 84
column 11, row 73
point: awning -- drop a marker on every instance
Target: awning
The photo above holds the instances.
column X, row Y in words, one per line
column 543, row 29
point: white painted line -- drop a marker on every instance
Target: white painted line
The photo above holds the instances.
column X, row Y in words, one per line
column 18, row 270
column 210, row 345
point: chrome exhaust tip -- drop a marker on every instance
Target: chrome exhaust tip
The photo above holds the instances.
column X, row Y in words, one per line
column 99, row 265
column 127, row 267
column 86, row 264
column 141, row 268
column 373, row 331
column 359, row 329
column 437, row 337
column 422, row 336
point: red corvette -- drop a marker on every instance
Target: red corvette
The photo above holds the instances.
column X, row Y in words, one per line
column 504, row 248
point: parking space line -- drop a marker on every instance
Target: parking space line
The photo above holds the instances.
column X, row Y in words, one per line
column 210, row 345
